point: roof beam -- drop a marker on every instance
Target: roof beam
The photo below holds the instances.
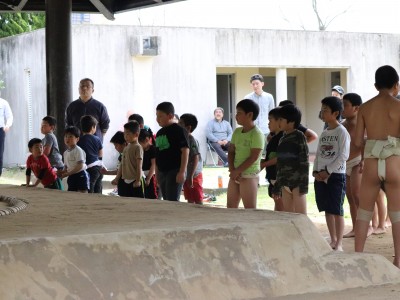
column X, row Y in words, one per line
column 21, row 5
column 103, row 9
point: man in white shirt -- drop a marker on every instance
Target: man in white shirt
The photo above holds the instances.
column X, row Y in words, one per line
column 6, row 120
column 264, row 100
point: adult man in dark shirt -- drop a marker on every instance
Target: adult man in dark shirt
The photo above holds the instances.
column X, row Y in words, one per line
column 86, row 105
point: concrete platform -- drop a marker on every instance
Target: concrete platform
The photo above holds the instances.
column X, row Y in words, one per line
column 73, row 246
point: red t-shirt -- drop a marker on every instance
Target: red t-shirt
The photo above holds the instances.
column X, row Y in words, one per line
column 40, row 163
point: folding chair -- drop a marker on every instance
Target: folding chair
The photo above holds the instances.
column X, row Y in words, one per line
column 210, row 150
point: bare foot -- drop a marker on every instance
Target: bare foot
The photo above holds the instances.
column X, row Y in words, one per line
column 349, row 234
column 339, row 248
column 379, row 231
column 333, row 245
column 388, row 224
column 370, row 231
column 396, row 262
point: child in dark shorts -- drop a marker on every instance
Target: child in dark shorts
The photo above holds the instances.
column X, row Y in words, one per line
column 147, row 141
column 330, row 169
column 270, row 158
column 74, row 162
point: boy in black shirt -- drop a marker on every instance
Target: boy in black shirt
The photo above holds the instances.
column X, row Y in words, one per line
column 172, row 153
column 270, row 158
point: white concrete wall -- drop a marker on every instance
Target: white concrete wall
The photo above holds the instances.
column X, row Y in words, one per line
column 185, row 71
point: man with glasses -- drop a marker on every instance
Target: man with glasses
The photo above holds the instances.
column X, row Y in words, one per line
column 86, row 105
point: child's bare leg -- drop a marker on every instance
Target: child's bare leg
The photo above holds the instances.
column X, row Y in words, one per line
column 330, row 222
column 300, row 202
column 368, row 194
column 233, row 195
column 287, row 199
column 279, row 205
column 248, row 192
column 339, row 227
column 381, row 208
column 353, row 206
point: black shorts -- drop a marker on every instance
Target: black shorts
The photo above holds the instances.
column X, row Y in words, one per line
column 78, row 182
column 128, row 190
column 330, row 196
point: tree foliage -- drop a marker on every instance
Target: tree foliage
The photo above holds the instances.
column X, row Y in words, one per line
column 16, row 23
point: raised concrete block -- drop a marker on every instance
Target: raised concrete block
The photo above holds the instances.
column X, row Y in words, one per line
column 72, row 246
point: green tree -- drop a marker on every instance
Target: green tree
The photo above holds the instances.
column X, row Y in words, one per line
column 16, row 23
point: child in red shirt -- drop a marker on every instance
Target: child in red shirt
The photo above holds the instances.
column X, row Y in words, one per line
column 39, row 164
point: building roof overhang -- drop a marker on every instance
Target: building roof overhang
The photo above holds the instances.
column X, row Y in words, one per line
column 106, row 7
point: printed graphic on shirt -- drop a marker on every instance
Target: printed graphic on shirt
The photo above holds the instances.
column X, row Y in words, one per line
column 327, row 151
column 162, row 142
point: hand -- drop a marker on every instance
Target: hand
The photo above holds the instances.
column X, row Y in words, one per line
column 6, row 129
column 276, row 196
column 136, row 183
column 180, row 177
column 114, row 181
column 221, row 143
column 148, row 179
column 189, row 182
column 234, row 174
column 323, row 175
column 361, row 165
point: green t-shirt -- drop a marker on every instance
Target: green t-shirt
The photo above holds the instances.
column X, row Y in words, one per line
column 244, row 142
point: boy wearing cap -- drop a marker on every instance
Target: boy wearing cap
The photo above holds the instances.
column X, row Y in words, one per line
column 338, row 91
column 264, row 100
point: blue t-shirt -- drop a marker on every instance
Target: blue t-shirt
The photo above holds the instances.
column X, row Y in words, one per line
column 91, row 144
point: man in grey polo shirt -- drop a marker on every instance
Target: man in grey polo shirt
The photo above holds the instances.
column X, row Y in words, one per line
column 264, row 100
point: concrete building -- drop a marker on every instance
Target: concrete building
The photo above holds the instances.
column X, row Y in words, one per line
column 135, row 68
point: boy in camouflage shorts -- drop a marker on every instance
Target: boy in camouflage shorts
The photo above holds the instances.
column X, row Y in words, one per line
column 292, row 163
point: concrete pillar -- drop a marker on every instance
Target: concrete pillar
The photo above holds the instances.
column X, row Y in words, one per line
column 58, row 61
column 143, row 102
column 281, row 85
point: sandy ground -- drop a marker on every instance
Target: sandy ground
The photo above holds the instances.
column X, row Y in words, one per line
column 379, row 244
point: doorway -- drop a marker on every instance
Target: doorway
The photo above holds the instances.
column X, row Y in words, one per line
column 225, row 95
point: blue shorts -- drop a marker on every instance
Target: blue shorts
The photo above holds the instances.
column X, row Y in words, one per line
column 78, row 182
column 330, row 196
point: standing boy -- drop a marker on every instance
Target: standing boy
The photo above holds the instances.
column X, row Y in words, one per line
column 93, row 148
column 130, row 182
column 292, row 162
column 270, row 158
column 40, row 166
column 244, row 156
column 118, row 140
column 50, row 143
column 354, row 164
column 172, row 153
column 330, row 169
column 74, row 162
column 379, row 118
column 193, row 186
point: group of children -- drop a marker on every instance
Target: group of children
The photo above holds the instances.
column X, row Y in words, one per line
column 173, row 154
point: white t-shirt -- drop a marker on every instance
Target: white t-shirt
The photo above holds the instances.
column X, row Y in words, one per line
column 74, row 156
column 333, row 150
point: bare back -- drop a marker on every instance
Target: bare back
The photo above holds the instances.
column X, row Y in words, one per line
column 351, row 129
column 380, row 117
